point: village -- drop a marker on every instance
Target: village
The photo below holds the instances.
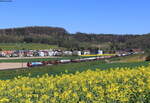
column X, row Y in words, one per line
column 59, row 52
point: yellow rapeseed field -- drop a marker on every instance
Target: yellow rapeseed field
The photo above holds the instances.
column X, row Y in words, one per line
column 100, row 86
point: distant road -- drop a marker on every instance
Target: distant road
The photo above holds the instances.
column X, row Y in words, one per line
column 5, row 66
column 6, row 58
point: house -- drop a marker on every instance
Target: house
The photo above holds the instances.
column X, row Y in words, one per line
column 45, row 52
column 35, row 53
column 41, row 53
column 30, row 53
column 67, row 53
column 122, row 53
column 76, row 53
column 58, row 53
column 2, row 54
column 21, row 53
column 7, row 53
column 99, row 52
column 15, row 54
column 136, row 51
column 86, row 52
column 50, row 53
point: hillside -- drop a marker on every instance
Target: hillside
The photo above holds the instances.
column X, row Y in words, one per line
column 62, row 38
column 128, row 59
column 26, row 46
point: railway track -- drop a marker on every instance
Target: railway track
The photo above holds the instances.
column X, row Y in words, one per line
column 16, row 66
column 64, row 61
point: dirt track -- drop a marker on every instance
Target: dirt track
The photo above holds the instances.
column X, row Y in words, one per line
column 4, row 66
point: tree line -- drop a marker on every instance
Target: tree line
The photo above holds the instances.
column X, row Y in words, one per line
column 62, row 38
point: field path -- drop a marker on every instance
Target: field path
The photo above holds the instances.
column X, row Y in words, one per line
column 4, row 66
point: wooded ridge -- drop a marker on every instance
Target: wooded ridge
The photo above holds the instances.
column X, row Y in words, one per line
column 62, row 38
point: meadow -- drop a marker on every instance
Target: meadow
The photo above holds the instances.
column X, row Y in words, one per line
column 130, row 58
column 119, row 85
column 26, row 46
column 37, row 59
column 26, row 60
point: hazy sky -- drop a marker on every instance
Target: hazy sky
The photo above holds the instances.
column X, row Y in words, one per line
column 90, row 16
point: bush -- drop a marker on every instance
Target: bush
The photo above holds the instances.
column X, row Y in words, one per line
column 147, row 58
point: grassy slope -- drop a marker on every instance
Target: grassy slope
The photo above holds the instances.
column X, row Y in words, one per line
column 131, row 58
column 25, row 60
column 18, row 46
column 37, row 59
column 71, row 68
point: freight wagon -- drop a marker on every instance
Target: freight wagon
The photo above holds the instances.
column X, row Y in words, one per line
column 64, row 61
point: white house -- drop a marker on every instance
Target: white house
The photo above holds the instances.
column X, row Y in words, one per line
column 100, row 52
column 76, row 53
column 41, row 54
column 2, row 54
column 86, row 52
column 67, row 53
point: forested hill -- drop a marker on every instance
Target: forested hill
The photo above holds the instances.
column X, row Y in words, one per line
column 37, row 30
column 60, row 36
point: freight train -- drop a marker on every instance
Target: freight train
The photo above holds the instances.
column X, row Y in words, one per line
column 63, row 61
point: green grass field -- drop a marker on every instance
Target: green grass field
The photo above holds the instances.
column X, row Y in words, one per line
column 26, row 60
column 37, row 59
column 27, row 46
column 130, row 58
column 62, row 68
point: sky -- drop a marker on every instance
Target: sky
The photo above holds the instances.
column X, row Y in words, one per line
column 88, row 16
